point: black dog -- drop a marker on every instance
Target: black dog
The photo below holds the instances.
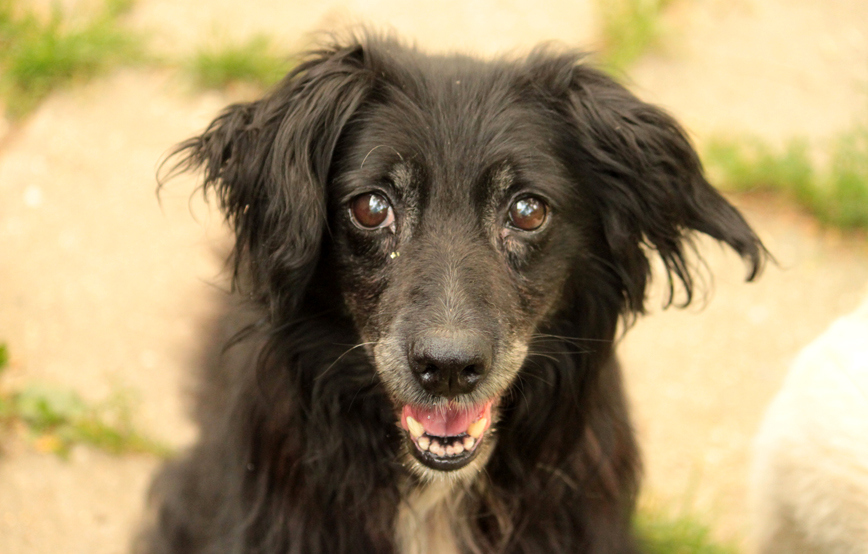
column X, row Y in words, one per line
column 435, row 252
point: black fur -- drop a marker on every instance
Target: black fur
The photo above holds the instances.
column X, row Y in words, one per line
column 301, row 449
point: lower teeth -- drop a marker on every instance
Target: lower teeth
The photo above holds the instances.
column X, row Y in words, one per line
column 456, row 446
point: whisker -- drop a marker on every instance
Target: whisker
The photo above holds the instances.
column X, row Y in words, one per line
column 339, row 358
column 542, row 355
column 521, row 391
column 534, row 375
column 537, row 336
column 555, row 352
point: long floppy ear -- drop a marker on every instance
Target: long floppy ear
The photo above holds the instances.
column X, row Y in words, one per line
column 268, row 162
column 649, row 187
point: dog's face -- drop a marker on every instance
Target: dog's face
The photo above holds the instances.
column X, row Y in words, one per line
column 461, row 207
column 454, row 228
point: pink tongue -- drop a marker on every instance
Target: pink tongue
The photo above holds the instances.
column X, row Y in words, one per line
column 448, row 422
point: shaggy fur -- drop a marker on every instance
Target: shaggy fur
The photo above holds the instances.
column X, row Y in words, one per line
column 809, row 475
column 303, row 446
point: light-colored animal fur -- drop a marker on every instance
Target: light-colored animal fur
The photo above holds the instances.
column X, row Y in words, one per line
column 430, row 520
column 809, row 480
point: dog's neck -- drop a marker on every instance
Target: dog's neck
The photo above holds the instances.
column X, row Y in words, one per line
column 433, row 519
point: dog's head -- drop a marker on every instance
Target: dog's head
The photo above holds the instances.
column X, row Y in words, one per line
column 457, row 207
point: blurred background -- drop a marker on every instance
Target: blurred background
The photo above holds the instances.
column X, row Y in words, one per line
column 105, row 291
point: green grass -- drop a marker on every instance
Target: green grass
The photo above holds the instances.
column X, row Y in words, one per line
column 629, row 28
column 662, row 533
column 836, row 192
column 255, row 61
column 58, row 419
column 4, row 357
column 39, row 54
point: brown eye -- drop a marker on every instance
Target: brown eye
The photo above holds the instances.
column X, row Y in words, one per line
column 371, row 211
column 527, row 213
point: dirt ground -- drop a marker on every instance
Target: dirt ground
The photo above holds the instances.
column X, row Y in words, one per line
column 102, row 287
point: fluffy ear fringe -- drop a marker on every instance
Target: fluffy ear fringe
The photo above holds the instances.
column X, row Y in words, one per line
column 650, row 188
column 268, row 161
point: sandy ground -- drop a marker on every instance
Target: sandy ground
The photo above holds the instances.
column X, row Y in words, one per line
column 103, row 288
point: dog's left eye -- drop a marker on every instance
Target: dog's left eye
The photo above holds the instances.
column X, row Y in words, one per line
column 371, row 211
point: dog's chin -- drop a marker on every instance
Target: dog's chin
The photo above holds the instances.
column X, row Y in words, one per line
column 448, row 441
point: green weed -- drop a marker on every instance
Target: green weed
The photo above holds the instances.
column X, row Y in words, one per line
column 629, row 29
column 254, row 61
column 38, row 54
column 836, row 192
column 662, row 533
column 4, row 357
column 57, row 419
column 4, row 361
column 846, row 202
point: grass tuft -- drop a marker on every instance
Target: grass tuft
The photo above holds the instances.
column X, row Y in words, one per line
column 255, row 61
column 39, row 54
column 113, row 9
column 661, row 533
column 846, row 202
column 4, row 403
column 58, row 419
column 629, row 29
column 4, row 357
column 836, row 192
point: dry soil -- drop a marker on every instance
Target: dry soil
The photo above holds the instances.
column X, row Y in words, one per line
column 102, row 287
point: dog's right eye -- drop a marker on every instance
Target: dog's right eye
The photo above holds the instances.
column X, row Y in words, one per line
column 371, row 211
column 528, row 213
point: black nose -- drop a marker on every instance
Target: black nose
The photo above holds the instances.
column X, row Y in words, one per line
column 451, row 365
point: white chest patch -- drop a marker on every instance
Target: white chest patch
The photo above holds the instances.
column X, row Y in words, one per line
column 433, row 520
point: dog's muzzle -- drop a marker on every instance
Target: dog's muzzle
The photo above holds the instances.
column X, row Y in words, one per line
column 448, row 365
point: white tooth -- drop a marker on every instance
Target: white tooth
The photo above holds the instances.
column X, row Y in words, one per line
column 469, row 442
column 450, row 450
column 476, row 429
column 459, row 448
column 436, row 448
column 415, row 427
column 424, row 443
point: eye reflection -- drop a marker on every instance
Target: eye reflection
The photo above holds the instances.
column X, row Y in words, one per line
column 371, row 211
column 528, row 213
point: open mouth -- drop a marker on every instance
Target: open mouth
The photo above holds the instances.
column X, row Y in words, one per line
column 446, row 438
